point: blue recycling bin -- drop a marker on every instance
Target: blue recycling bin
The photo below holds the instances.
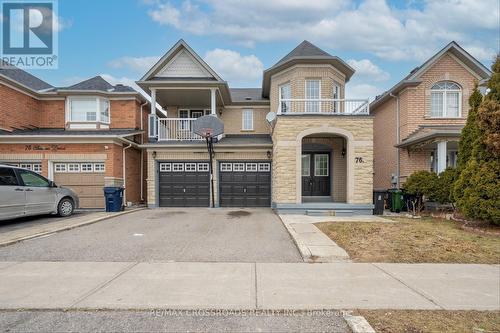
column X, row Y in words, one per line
column 114, row 199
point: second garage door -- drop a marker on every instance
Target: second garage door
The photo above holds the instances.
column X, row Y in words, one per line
column 245, row 184
column 184, row 184
column 85, row 179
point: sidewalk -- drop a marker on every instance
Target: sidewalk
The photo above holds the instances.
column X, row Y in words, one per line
column 33, row 231
column 189, row 285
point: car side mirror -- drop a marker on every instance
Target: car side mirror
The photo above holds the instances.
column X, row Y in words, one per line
column 52, row 184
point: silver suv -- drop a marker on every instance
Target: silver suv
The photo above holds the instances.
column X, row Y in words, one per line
column 26, row 193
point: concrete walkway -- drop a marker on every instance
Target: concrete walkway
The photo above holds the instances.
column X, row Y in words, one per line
column 313, row 244
column 131, row 285
column 37, row 230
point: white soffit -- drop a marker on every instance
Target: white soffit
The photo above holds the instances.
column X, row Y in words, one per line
column 184, row 64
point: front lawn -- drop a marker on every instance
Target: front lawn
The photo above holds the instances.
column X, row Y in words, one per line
column 426, row 240
column 417, row 321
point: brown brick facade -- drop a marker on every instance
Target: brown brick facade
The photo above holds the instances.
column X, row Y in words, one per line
column 415, row 112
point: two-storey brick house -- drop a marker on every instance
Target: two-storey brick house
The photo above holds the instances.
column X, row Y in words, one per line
column 296, row 144
column 417, row 123
column 83, row 136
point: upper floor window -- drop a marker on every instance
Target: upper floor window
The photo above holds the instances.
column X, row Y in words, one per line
column 285, row 95
column 247, row 120
column 336, row 97
column 446, row 100
column 89, row 109
column 313, row 91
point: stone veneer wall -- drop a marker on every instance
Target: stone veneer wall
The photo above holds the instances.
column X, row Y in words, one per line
column 287, row 138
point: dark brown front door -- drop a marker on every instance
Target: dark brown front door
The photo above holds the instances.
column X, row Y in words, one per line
column 315, row 174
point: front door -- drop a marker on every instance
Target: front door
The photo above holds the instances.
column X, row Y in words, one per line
column 315, row 174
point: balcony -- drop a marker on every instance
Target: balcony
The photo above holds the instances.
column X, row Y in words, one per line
column 348, row 107
column 177, row 129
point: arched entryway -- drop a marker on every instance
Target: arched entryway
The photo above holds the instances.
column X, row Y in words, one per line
column 325, row 172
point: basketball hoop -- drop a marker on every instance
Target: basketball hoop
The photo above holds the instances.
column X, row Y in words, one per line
column 209, row 127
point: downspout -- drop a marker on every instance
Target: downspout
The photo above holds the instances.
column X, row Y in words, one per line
column 124, row 165
column 398, row 139
column 142, row 153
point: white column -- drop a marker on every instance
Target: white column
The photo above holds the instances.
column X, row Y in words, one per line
column 213, row 103
column 152, row 121
column 153, row 101
column 441, row 156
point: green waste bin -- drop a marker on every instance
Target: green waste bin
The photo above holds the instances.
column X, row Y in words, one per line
column 397, row 201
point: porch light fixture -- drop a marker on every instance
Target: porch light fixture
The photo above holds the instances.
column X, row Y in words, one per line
column 220, row 112
column 269, row 154
column 154, row 154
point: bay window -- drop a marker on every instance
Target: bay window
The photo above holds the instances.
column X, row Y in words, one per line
column 446, row 100
column 89, row 109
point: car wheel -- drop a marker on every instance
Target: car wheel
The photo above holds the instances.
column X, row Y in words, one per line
column 65, row 207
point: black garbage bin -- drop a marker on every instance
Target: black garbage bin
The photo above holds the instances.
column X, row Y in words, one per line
column 114, row 199
column 379, row 201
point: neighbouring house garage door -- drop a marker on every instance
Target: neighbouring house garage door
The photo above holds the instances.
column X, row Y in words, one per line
column 184, row 184
column 86, row 179
column 245, row 184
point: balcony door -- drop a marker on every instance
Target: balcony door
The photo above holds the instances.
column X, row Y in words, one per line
column 313, row 92
column 316, row 174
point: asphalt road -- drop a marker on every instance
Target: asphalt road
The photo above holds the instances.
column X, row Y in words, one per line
column 162, row 321
column 194, row 234
column 24, row 222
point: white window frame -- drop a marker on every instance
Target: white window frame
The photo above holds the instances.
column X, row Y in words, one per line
column 37, row 167
column 264, row 167
column 251, row 167
column 244, row 125
column 285, row 106
column 84, row 167
column 165, row 167
column 444, row 95
column 190, row 167
column 316, row 165
column 97, row 100
column 336, row 96
column 238, row 167
column 99, row 167
column 226, row 167
column 312, row 106
column 60, row 167
column 73, row 167
column 203, row 167
column 178, row 167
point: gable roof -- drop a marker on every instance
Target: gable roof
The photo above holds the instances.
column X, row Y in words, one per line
column 171, row 54
column 304, row 49
column 412, row 79
column 97, row 83
column 307, row 53
column 22, row 77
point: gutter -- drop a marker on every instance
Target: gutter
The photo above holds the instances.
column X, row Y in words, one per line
column 398, row 139
column 142, row 152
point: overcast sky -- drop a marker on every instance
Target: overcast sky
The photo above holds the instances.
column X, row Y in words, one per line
column 383, row 40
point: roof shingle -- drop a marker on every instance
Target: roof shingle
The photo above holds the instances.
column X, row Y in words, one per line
column 20, row 76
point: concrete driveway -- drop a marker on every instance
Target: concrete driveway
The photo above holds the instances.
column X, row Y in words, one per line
column 193, row 234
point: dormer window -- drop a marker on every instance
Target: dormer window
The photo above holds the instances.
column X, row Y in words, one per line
column 89, row 110
column 446, row 100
